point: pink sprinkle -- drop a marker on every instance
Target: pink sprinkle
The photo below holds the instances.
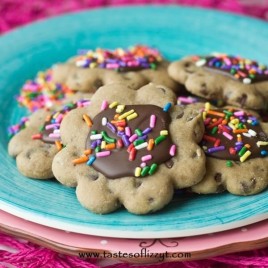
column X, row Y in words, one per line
column 87, row 103
column 104, row 105
column 187, row 100
column 59, row 118
column 142, row 165
column 147, row 157
column 227, row 135
column 112, row 66
column 79, row 104
column 56, row 131
column 239, row 113
column 103, row 154
column 133, row 137
column 172, row 150
column 128, row 131
column 52, row 126
column 54, row 135
column 207, row 120
column 152, row 121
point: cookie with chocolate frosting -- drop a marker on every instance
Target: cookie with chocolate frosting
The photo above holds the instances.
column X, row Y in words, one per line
column 132, row 148
column 35, row 146
column 238, row 81
column 136, row 66
column 236, row 146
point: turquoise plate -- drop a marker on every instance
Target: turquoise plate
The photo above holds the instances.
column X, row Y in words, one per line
column 176, row 32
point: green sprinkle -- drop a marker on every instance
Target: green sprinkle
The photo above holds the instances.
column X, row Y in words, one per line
column 214, row 130
column 137, row 142
column 107, row 138
column 252, row 76
column 233, row 71
column 145, row 171
column 97, row 149
column 242, row 151
column 93, row 132
column 42, row 128
column 228, row 112
column 229, row 163
column 153, row 66
column 159, row 139
column 138, row 132
column 153, row 169
column 240, row 126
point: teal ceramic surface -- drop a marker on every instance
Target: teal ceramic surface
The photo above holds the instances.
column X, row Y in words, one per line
column 176, row 32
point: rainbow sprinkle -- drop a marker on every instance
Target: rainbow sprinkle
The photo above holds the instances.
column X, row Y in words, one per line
column 232, row 132
column 102, row 144
column 42, row 92
column 135, row 58
column 14, row 129
column 242, row 69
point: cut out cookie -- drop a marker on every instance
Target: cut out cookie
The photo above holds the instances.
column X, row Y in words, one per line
column 237, row 81
column 136, row 67
column 135, row 152
column 35, row 146
column 236, row 145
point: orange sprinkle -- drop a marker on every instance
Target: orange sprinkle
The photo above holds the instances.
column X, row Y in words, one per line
column 120, row 128
column 247, row 145
column 58, row 145
column 88, row 152
column 48, row 118
column 150, row 144
column 224, row 122
column 88, row 120
column 110, row 146
column 238, row 131
column 214, row 120
column 116, row 116
column 216, row 113
column 82, row 159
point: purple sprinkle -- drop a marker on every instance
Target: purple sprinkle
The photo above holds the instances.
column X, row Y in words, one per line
column 216, row 149
column 98, row 142
column 125, row 140
column 239, row 143
column 144, row 137
column 93, row 145
column 111, row 127
column 238, row 148
column 120, row 133
column 146, row 131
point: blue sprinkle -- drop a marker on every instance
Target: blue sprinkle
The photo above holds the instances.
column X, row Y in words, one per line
column 255, row 123
column 264, row 153
column 167, row 107
column 91, row 160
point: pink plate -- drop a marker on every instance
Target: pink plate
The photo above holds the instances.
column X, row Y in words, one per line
column 251, row 237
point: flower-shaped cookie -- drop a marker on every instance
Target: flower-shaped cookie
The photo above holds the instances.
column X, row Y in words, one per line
column 236, row 145
column 237, row 81
column 36, row 145
column 132, row 147
column 136, row 67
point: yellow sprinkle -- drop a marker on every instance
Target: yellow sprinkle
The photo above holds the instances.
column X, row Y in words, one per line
column 239, row 138
column 235, row 121
column 126, row 114
column 204, row 115
column 132, row 116
column 231, row 126
column 207, row 106
column 137, row 172
column 113, row 104
column 120, row 108
column 163, row 132
column 93, row 65
column 249, row 121
column 56, row 115
column 262, row 143
column 103, row 144
column 245, row 156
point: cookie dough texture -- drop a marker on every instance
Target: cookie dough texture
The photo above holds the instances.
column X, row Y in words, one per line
column 140, row 195
column 34, row 157
column 212, row 85
column 90, row 79
column 247, row 178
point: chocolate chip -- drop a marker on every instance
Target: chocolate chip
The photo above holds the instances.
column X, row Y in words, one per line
column 242, row 99
column 97, row 84
column 29, row 153
column 218, row 177
column 188, row 66
column 190, row 117
column 169, row 163
column 248, row 187
column 194, row 155
column 94, row 177
column 180, row 115
column 164, row 91
column 137, row 184
column 220, row 188
column 150, row 199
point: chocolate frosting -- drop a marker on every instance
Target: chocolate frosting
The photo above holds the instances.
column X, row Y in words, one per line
column 225, row 154
column 118, row 165
column 218, row 65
